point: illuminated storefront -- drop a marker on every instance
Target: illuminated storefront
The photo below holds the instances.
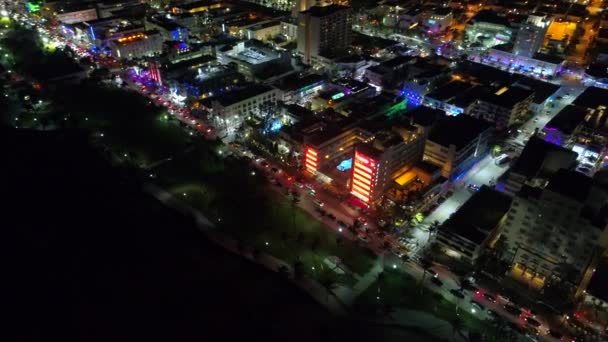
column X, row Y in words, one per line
column 310, row 160
column 363, row 178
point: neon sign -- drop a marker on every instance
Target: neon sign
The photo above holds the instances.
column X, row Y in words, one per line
column 310, row 160
column 337, row 96
column 364, row 171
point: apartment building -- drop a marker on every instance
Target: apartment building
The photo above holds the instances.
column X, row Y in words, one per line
column 456, row 143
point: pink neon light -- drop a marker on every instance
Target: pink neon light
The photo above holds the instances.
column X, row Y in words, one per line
column 361, row 185
column 365, row 168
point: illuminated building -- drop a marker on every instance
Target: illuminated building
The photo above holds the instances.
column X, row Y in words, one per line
column 155, row 73
column 310, row 160
column 197, row 6
column 439, row 20
column 137, row 45
column 379, row 162
column 539, row 157
column 456, row 143
column 390, row 73
column 297, row 88
column 488, row 28
column 531, row 36
column 556, row 223
column 323, row 30
column 467, row 233
column 255, row 59
column 170, row 30
column 503, row 107
column 364, row 177
column 229, row 109
column 454, row 98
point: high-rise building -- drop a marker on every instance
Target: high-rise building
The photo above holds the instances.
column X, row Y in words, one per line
column 531, row 35
column 323, row 30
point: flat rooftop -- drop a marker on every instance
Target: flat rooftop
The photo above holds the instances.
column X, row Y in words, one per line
column 570, row 184
column 567, row 119
column 592, row 97
column 321, row 11
column 296, row 82
column 489, row 16
column 450, row 90
column 479, row 216
column 533, row 156
column 457, row 130
column 542, row 90
column 239, row 95
column 506, row 96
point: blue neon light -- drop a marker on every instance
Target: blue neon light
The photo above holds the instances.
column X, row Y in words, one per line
column 345, row 165
column 93, row 34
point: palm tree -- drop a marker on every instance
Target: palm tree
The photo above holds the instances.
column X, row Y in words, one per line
column 457, row 326
column 294, row 202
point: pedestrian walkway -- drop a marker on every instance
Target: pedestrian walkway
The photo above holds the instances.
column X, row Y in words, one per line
column 338, row 301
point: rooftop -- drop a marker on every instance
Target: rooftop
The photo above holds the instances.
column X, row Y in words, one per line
column 535, row 155
column 450, row 91
column 321, row 11
column 479, row 216
column 239, row 95
column 489, row 16
column 542, row 90
column 507, row 97
column 567, row 119
column 424, row 116
column 549, row 58
column 457, row 130
column 572, row 184
column 296, row 82
column 592, row 97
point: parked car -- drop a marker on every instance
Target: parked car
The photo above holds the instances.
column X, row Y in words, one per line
column 513, row 310
column 431, row 272
column 318, row 203
column 436, row 281
column 477, row 306
column 489, row 297
column 457, row 293
column 533, row 322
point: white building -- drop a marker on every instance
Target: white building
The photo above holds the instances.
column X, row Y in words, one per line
column 531, row 36
column 554, row 230
column 148, row 43
column 456, row 143
column 229, row 110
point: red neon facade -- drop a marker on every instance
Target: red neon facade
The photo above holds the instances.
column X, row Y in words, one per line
column 310, row 160
column 364, row 174
column 155, row 73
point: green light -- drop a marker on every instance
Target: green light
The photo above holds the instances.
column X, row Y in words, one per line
column 396, row 109
column 33, row 7
column 337, row 96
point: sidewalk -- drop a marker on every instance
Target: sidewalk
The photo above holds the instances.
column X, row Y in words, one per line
column 310, row 286
column 338, row 301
